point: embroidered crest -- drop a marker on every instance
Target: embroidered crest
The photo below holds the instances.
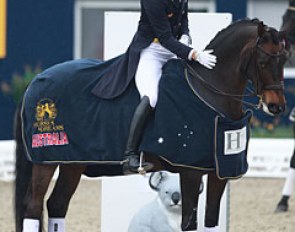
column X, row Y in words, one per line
column 46, row 113
column 46, row 110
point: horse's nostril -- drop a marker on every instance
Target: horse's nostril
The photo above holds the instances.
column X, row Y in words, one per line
column 271, row 108
column 281, row 109
column 276, row 109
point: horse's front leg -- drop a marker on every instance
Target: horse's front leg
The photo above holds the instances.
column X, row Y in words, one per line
column 58, row 202
column 190, row 183
column 215, row 189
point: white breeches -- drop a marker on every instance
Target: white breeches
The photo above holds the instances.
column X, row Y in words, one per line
column 149, row 70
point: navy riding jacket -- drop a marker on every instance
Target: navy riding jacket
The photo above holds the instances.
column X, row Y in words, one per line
column 166, row 20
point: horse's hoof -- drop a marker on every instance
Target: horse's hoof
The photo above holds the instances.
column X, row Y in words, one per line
column 281, row 208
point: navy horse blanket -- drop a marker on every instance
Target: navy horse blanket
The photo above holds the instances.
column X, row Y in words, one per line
column 64, row 123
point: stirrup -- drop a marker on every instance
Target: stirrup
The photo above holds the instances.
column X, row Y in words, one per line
column 141, row 169
column 136, row 164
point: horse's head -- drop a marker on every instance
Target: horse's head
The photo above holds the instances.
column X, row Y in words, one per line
column 264, row 65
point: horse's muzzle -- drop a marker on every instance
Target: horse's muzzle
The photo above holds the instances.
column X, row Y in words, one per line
column 274, row 102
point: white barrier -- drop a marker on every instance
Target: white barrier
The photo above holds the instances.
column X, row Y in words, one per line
column 7, row 160
column 269, row 157
column 121, row 26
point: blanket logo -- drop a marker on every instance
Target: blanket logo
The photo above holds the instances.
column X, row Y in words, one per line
column 50, row 132
column 235, row 141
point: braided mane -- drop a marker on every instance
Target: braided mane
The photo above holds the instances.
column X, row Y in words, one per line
column 229, row 29
column 221, row 35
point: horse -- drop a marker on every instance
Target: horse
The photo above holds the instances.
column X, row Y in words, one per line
column 288, row 25
column 247, row 50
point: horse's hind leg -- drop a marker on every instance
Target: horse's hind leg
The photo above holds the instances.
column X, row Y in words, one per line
column 215, row 190
column 41, row 176
column 190, row 183
column 58, row 202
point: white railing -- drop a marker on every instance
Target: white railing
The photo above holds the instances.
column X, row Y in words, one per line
column 269, row 157
column 7, row 160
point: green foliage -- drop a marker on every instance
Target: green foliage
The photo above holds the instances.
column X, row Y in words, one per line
column 19, row 83
column 277, row 132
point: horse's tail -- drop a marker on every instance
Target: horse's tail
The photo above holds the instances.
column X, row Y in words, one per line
column 23, row 173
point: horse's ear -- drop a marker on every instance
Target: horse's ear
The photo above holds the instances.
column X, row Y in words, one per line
column 260, row 29
column 283, row 39
column 156, row 179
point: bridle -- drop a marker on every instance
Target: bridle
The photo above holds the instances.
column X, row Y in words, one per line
column 259, row 86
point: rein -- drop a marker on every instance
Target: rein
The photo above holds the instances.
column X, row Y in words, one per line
column 237, row 97
column 217, row 91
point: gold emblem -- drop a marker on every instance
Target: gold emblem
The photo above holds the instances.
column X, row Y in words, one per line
column 46, row 113
column 46, row 110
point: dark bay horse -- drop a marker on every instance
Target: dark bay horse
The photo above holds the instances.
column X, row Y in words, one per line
column 288, row 25
column 247, row 50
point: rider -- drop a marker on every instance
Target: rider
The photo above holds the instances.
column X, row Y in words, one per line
column 290, row 180
column 165, row 21
column 162, row 34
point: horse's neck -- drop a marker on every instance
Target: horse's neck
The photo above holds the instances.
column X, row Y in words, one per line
column 229, row 83
column 227, row 77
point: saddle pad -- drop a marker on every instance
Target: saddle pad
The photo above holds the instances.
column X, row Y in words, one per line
column 64, row 123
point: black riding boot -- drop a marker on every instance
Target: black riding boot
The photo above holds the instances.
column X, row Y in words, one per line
column 138, row 122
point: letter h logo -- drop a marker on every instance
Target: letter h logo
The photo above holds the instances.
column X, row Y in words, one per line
column 235, row 141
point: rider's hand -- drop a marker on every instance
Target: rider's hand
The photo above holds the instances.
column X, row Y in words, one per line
column 205, row 58
column 185, row 39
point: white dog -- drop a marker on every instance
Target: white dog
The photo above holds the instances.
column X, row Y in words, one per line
column 163, row 214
